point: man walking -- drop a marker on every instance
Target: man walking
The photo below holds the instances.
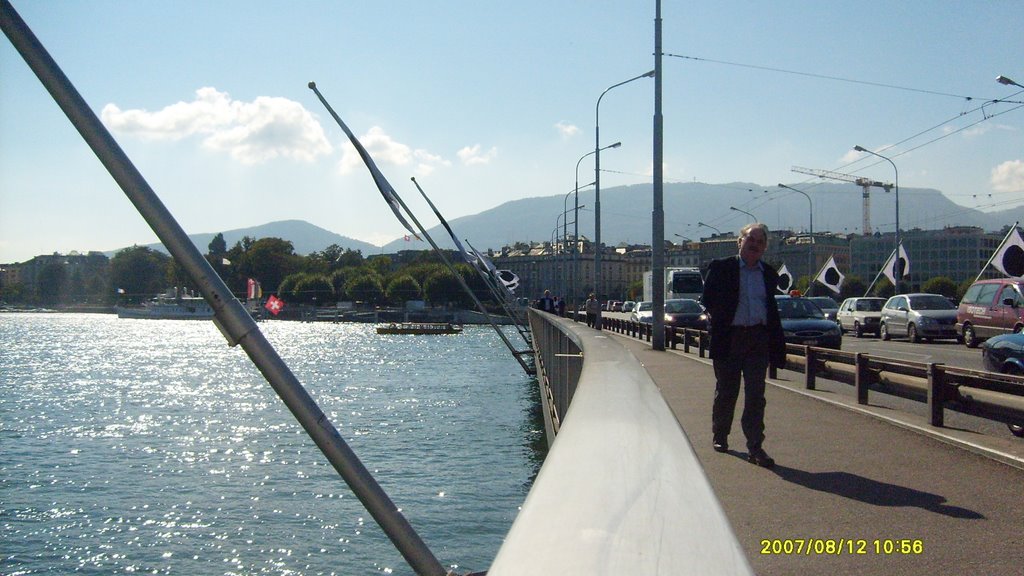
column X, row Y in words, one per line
column 746, row 337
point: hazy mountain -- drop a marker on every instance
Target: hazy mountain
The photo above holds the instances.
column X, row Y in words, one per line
column 305, row 237
column 626, row 216
column 626, row 213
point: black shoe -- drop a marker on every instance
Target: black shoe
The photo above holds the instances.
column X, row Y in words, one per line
column 761, row 458
column 720, row 445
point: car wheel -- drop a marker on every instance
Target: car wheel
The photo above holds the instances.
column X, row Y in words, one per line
column 912, row 334
column 1017, row 329
column 883, row 332
column 970, row 340
column 857, row 330
column 1016, row 429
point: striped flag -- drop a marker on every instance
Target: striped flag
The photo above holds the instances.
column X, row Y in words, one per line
column 254, row 290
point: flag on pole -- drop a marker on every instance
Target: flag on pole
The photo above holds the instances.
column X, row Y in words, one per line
column 785, row 279
column 830, row 276
column 1009, row 257
column 896, row 267
column 510, row 279
column 254, row 291
column 386, row 190
column 225, row 261
column 465, row 256
column 274, row 305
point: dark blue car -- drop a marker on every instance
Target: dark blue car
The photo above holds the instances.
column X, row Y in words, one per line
column 804, row 323
column 1005, row 354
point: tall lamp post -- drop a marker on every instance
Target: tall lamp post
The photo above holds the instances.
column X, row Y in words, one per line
column 810, row 245
column 897, row 247
column 752, row 217
column 717, row 231
column 1004, row 80
column 576, row 225
column 566, row 286
column 597, row 188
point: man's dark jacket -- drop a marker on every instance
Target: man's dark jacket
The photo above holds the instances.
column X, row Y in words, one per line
column 722, row 297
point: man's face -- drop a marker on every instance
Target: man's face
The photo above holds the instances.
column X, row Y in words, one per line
column 753, row 245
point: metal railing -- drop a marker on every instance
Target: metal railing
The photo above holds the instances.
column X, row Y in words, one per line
column 621, row 490
column 989, row 395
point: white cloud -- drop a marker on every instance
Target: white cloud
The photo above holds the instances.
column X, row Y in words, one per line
column 1008, row 176
column 386, row 150
column 567, row 130
column 251, row 132
column 471, row 155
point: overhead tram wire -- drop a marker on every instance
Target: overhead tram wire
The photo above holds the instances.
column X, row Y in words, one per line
column 824, row 77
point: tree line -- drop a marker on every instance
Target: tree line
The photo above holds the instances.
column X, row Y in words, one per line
column 321, row 278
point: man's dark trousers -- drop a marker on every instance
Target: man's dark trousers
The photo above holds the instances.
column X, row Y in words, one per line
column 748, row 357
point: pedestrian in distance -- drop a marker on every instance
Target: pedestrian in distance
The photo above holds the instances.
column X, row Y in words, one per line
column 746, row 338
column 546, row 303
column 560, row 306
column 592, row 307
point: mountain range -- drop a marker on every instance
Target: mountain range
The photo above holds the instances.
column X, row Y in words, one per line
column 692, row 210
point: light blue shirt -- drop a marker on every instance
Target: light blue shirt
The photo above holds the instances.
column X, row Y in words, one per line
column 751, row 309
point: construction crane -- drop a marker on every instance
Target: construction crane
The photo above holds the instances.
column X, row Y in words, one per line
column 865, row 183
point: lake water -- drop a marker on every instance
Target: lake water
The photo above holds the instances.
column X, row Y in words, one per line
column 150, row 446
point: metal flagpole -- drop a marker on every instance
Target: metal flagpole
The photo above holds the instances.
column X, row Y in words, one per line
column 234, row 322
column 880, row 272
column 996, row 251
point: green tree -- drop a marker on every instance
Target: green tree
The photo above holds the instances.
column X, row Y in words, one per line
column 443, row 288
column 853, row 286
column 51, row 283
column 314, row 289
column 940, row 285
column 366, row 288
column 218, row 247
column 403, row 288
column 339, row 279
column 883, row 288
column 380, row 264
column 269, row 260
column 140, row 271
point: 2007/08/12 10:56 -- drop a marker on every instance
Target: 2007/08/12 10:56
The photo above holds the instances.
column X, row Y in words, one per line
column 839, row 546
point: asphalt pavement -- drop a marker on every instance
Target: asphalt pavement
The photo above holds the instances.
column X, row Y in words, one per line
column 855, row 489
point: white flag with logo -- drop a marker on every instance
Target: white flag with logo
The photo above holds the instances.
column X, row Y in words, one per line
column 785, row 279
column 897, row 267
column 830, row 276
column 1009, row 258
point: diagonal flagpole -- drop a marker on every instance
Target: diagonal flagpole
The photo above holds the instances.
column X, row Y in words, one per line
column 392, row 198
column 465, row 256
column 882, row 271
column 996, row 251
column 501, row 293
column 235, row 324
column 385, row 187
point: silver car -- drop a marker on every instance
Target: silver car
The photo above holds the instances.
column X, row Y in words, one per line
column 917, row 316
column 643, row 312
column 828, row 306
column 860, row 315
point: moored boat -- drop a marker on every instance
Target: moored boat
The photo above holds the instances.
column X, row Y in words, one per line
column 172, row 305
column 419, row 328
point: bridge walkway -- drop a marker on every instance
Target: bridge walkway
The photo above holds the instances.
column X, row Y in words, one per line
column 911, row 500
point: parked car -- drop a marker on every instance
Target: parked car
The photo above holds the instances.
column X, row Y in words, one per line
column 804, row 323
column 685, row 313
column 860, row 315
column 1005, row 354
column 990, row 308
column 628, row 305
column 917, row 316
column 827, row 305
column 643, row 312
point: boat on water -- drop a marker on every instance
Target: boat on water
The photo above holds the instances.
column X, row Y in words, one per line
column 419, row 328
column 171, row 305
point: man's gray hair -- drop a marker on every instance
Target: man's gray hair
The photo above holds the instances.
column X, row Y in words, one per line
column 746, row 230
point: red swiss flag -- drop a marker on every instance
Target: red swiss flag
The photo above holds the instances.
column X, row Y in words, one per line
column 274, row 304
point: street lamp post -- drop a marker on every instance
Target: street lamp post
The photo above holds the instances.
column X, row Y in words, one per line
column 897, row 248
column 576, row 225
column 597, row 188
column 810, row 245
column 1004, row 80
column 564, row 216
column 752, row 217
column 709, row 226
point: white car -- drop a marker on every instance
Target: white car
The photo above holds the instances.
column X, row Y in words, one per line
column 643, row 312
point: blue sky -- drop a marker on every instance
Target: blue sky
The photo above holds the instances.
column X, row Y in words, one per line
column 487, row 102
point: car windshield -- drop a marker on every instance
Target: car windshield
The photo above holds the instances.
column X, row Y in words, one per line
column 824, row 302
column 684, row 306
column 869, row 305
column 791, row 308
column 644, row 306
column 930, row 302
